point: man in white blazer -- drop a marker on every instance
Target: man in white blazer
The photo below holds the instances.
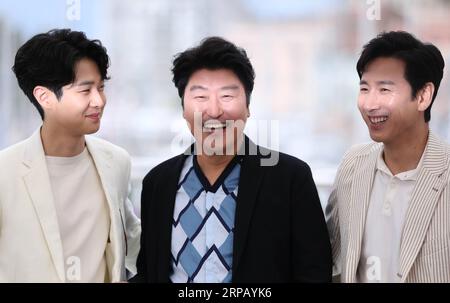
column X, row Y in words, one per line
column 389, row 211
column 64, row 212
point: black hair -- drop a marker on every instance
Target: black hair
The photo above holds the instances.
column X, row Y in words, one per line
column 213, row 53
column 49, row 60
column 423, row 61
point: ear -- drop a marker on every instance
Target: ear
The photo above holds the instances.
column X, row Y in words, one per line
column 44, row 96
column 424, row 96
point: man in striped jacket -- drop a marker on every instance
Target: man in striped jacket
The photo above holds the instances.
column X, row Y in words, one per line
column 389, row 211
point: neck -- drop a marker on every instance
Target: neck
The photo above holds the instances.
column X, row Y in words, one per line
column 404, row 154
column 56, row 143
column 213, row 166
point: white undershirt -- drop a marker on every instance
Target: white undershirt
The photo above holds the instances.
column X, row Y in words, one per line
column 83, row 216
column 389, row 201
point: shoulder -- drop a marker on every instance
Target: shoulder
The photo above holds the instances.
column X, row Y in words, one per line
column 437, row 145
column 116, row 151
column 281, row 165
column 12, row 152
column 359, row 150
column 169, row 166
column 289, row 162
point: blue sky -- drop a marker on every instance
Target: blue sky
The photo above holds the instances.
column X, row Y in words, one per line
column 275, row 9
column 31, row 16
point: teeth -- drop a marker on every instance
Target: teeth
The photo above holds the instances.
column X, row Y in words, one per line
column 378, row 119
column 215, row 125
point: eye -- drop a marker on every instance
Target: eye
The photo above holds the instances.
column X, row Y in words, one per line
column 200, row 98
column 85, row 91
column 101, row 88
column 363, row 89
column 383, row 90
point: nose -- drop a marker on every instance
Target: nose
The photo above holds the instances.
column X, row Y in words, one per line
column 98, row 99
column 370, row 102
column 214, row 109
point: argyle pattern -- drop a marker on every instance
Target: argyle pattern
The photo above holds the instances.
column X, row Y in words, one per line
column 202, row 228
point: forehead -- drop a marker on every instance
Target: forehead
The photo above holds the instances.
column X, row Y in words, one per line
column 86, row 69
column 213, row 78
column 384, row 68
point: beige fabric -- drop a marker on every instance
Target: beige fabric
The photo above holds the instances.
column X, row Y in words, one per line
column 425, row 239
column 83, row 216
column 31, row 249
column 389, row 201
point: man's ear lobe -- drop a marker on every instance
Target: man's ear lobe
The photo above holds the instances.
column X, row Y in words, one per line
column 425, row 96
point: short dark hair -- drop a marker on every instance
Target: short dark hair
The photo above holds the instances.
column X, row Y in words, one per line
column 49, row 60
column 423, row 61
column 213, row 53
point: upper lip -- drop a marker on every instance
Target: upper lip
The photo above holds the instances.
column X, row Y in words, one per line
column 93, row 115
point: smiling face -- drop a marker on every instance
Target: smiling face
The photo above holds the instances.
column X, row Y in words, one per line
column 386, row 103
column 80, row 108
column 218, row 98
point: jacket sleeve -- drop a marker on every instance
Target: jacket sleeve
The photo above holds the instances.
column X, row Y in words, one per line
column 332, row 213
column 132, row 229
column 332, row 218
column 311, row 254
column 141, row 262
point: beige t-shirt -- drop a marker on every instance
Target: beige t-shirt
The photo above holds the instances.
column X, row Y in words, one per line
column 83, row 216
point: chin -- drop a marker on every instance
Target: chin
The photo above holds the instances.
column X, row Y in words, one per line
column 378, row 139
column 91, row 130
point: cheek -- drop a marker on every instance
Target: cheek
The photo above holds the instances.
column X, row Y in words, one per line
column 191, row 117
column 236, row 111
column 390, row 101
column 360, row 103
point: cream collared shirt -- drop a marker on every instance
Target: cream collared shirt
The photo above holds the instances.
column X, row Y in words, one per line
column 389, row 201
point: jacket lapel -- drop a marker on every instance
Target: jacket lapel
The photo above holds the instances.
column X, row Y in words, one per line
column 360, row 198
column 249, row 184
column 103, row 160
column 429, row 185
column 167, row 186
column 37, row 182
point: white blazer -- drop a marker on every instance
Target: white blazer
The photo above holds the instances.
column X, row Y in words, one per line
column 425, row 242
column 30, row 242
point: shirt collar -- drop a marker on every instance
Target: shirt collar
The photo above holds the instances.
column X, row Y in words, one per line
column 410, row 175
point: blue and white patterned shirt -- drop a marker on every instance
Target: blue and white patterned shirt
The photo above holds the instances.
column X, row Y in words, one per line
column 203, row 224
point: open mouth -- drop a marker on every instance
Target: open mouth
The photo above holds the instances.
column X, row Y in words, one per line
column 212, row 126
column 378, row 120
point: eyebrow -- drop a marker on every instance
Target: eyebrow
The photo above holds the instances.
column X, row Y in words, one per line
column 85, row 83
column 382, row 82
column 232, row 87
column 195, row 87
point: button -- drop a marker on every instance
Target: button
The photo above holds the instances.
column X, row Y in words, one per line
column 387, row 208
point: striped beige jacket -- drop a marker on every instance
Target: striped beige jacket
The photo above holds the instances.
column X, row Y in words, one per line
column 425, row 242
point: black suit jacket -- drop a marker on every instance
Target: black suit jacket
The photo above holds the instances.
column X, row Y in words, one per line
column 280, row 233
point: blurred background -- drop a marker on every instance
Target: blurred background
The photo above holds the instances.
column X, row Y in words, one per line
column 304, row 53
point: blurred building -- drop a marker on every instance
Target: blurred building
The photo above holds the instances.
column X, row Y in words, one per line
column 304, row 54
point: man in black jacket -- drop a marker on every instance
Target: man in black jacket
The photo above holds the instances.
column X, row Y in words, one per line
column 230, row 211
